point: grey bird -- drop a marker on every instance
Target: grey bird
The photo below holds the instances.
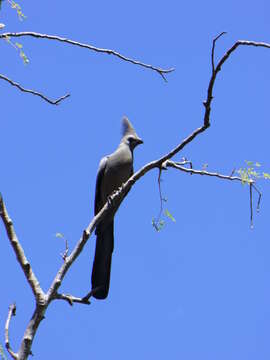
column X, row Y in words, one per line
column 114, row 170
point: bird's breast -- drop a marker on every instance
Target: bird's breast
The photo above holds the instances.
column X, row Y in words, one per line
column 118, row 171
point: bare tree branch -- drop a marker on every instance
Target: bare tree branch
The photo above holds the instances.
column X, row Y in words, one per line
column 72, row 299
column 215, row 71
column 160, row 71
column 24, row 263
column 252, row 186
column 251, row 206
column 111, row 206
column 202, row 172
column 259, row 197
column 33, row 92
column 11, row 312
column 250, row 182
column 213, row 50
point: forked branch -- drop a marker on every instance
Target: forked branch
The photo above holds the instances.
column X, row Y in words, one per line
column 11, row 312
column 8, row 35
column 115, row 200
column 19, row 252
column 33, row 92
column 250, row 182
column 162, row 72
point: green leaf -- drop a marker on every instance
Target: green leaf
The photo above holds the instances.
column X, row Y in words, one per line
column 59, row 235
column 244, row 175
column 266, row 176
column 249, row 163
column 18, row 47
column 253, row 173
column 249, row 175
column 2, row 354
column 167, row 213
column 24, row 57
column 17, row 7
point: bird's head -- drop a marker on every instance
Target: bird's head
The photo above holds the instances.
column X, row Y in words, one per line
column 129, row 134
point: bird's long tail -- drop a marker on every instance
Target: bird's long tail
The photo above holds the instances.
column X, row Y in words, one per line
column 102, row 262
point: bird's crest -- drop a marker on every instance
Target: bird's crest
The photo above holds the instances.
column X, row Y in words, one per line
column 127, row 128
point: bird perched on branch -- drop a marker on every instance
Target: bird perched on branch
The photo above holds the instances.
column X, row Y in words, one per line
column 114, row 170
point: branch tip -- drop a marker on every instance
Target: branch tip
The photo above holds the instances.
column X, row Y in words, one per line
column 72, row 299
column 11, row 312
column 218, row 36
column 213, row 51
column 89, row 47
column 33, row 92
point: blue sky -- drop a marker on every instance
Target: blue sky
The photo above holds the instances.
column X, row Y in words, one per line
column 199, row 289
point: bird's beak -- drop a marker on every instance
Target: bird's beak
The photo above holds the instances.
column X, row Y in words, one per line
column 139, row 141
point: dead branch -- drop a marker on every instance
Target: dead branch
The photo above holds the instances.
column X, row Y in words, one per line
column 11, row 312
column 72, row 299
column 213, row 50
column 156, row 222
column 65, row 253
column 250, row 182
column 216, row 70
column 33, row 92
column 202, row 172
column 259, row 197
column 111, row 206
column 160, row 71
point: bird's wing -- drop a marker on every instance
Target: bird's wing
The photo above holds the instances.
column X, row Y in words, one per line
column 100, row 174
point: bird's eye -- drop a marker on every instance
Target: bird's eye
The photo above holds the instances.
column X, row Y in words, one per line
column 130, row 139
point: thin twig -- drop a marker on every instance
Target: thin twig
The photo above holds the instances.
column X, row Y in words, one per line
column 184, row 162
column 259, row 197
column 71, row 299
column 251, row 206
column 213, row 50
column 11, row 312
column 65, row 253
column 33, row 92
column 201, row 172
column 157, row 222
column 159, row 189
column 250, row 182
column 225, row 57
column 160, row 71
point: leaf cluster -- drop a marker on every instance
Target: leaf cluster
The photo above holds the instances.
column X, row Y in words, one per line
column 18, row 8
column 251, row 173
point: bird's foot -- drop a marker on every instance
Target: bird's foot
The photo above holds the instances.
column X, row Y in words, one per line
column 110, row 199
column 114, row 194
column 117, row 191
